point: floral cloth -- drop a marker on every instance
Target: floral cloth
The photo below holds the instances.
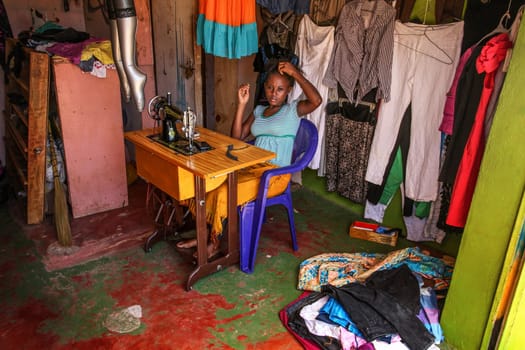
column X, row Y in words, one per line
column 338, row 269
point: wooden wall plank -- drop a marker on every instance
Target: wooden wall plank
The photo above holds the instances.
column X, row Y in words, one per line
column 174, row 38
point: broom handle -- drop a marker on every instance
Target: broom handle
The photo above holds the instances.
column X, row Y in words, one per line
column 54, row 162
column 61, row 211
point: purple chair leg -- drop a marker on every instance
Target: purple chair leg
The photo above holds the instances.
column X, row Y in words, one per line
column 245, row 236
column 289, row 207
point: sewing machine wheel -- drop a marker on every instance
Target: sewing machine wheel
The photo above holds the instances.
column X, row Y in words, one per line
column 154, row 105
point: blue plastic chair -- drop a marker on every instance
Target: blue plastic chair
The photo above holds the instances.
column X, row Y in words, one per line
column 252, row 214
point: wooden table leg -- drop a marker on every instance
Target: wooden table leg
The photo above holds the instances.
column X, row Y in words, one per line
column 205, row 267
column 200, row 218
column 233, row 216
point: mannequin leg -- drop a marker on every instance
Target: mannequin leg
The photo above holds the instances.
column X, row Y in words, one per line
column 127, row 28
column 115, row 46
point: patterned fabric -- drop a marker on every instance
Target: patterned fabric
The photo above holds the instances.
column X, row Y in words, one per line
column 348, row 144
column 339, row 269
column 227, row 28
column 429, row 313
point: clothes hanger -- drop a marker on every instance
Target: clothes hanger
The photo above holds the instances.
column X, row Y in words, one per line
column 445, row 60
column 280, row 21
column 502, row 25
column 426, row 11
column 371, row 105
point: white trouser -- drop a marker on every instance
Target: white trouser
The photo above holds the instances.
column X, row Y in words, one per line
column 424, row 63
column 314, row 47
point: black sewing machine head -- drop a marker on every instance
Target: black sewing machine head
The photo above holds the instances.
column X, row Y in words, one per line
column 164, row 113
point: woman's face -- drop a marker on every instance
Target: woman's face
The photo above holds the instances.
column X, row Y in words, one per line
column 276, row 89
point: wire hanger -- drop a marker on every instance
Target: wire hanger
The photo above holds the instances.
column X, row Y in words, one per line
column 371, row 105
column 502, row 25
column 426, row 11
column 445, row 60
column 279, row 20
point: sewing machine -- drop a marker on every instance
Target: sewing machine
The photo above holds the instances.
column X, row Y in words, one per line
column 181, row 139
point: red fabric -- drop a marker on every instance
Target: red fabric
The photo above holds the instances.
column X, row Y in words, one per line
column 307, row 344
column 447, row 123
column 492, row 54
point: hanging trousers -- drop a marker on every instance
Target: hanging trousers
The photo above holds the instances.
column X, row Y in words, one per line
column 424, row 62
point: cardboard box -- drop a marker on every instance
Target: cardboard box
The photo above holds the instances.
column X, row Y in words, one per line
column 374, row 233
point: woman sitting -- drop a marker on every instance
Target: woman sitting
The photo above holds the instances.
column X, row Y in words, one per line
column 274, row 127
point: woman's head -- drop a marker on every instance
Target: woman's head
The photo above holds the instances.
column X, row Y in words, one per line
column 273, row 68
column 277, row 86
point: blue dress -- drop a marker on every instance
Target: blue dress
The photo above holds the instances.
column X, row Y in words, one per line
column 276, row 133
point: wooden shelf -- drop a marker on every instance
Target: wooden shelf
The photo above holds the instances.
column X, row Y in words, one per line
column 18, row 139
column 19, row 112
column 26, row 127
column 17, row 164
column 24, row 88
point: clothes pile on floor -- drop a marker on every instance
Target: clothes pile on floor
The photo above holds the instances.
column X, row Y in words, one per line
column 369, row 301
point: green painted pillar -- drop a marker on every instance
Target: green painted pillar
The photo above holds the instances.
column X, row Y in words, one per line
column 492, row 215
column 509, row 307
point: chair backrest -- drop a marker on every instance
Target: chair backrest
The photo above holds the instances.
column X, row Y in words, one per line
column 305, row 145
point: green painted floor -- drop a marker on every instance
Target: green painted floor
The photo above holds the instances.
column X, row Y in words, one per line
column 68, row 308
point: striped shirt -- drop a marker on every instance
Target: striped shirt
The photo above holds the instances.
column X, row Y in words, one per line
column 362, row 57
column 276, row 133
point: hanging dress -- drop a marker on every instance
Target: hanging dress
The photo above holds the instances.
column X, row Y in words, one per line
column 227, row 28
column 313, row 47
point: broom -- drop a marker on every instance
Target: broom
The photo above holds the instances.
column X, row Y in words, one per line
column 61, row 209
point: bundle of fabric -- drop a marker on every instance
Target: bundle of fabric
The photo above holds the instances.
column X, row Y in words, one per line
column 368, row 301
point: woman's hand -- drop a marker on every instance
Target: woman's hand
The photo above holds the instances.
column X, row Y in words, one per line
column 287, row 68
column 241, row 129
column 243, row 94
column 313, row 98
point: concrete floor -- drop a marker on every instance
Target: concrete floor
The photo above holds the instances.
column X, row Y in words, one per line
column 67, row 308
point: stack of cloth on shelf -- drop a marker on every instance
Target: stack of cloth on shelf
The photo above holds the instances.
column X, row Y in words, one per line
column 91, row 54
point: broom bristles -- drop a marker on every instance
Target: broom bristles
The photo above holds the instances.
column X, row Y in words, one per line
column 61, row 215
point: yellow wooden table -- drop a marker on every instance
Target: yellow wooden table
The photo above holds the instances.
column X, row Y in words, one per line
column 191, row 176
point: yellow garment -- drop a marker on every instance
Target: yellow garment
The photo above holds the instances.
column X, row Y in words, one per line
column 247, row 187
column 100, row 49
